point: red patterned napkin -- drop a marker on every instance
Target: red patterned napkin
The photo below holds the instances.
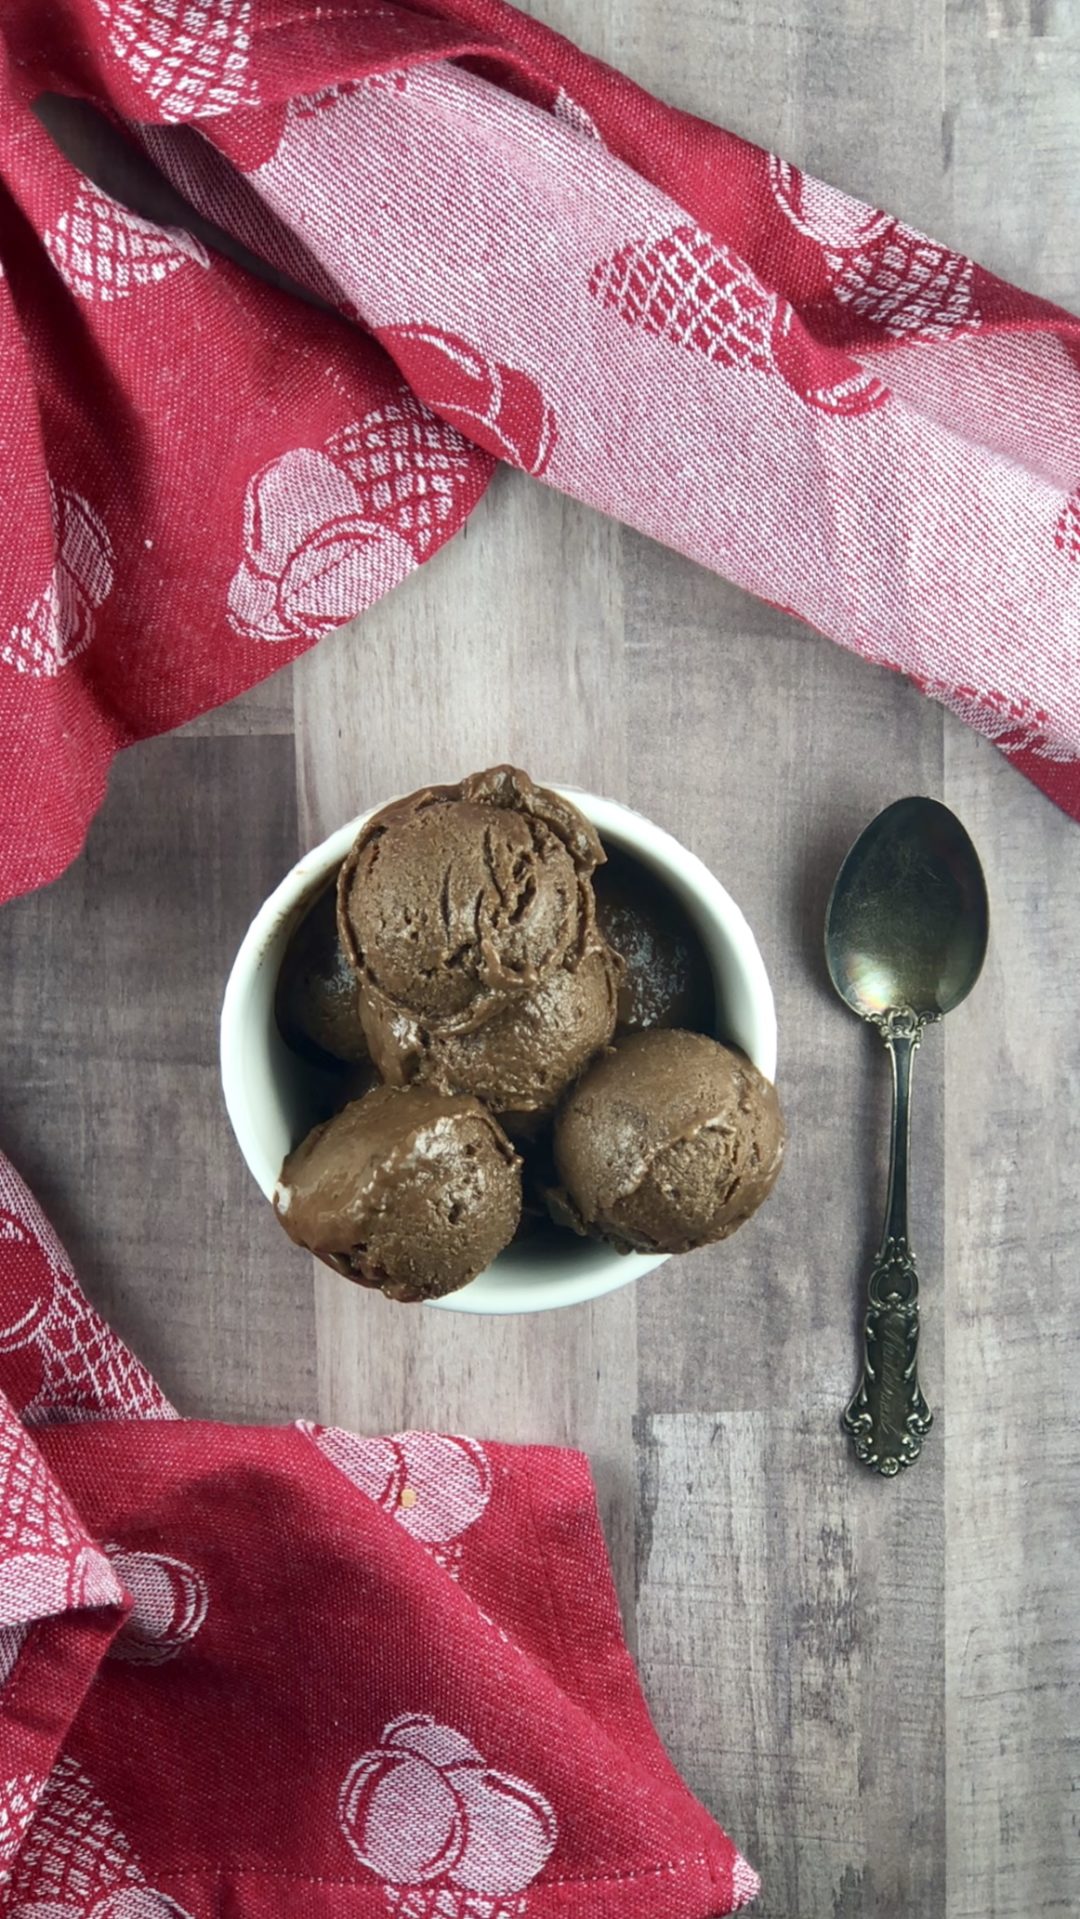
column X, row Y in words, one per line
column 530, row 260
column 250, row 1672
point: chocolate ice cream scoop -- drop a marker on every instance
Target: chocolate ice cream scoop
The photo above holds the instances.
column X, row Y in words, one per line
column 410, row 1191
column 668, row 980
column 316, row 1000
column 458, row 899
column 669, row 1141
column 521, row 1060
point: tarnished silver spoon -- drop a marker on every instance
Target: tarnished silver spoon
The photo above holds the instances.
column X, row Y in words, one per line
column 905, row 938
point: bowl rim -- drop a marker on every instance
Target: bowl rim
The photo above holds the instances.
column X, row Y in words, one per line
column 704, row 896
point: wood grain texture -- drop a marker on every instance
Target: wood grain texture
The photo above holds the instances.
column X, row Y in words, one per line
column 1013, row 1447
column 876, row 1686
column 111, row 1103
column 725, row 788
column 793, row 1652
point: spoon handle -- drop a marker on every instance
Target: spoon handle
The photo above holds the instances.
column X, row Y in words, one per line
column 888, row 1417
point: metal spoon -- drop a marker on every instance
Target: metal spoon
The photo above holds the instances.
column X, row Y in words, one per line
column 905, row 938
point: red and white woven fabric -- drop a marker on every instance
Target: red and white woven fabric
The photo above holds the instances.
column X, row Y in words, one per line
column 260, row 1672
column 530, row 260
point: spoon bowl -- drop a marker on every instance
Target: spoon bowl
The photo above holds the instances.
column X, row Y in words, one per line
column 908, row 919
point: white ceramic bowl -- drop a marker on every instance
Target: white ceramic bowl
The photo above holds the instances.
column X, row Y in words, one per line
column 269, row 1092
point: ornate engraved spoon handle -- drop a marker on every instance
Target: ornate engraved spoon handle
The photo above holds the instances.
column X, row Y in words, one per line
column 888, row 1417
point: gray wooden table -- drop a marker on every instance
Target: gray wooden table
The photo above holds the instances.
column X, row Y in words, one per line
column 874, row 1685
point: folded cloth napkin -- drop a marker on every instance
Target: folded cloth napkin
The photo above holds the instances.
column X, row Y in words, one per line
column 522, row 257
column 249, row 1672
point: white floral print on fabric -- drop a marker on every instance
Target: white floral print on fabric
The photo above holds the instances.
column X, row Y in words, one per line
column 449, row 1836
column 685, row 288
column 103, row 252
column 37, row 1528
column 188, row 57
column 313, row 557
column 435, row 1485
column 45, row 1565
column 170, row 1605
column 18, row 1797
column 75, row 1862
column 882, row 269
column 84, row 1370
column 58, row 624
column 1015, row 726
column 411, row 468
column 498, row 407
